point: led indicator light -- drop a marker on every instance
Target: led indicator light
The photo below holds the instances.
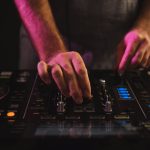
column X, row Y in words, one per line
column 122, row 89
column 125, row 97
column 10, row 114
column 122, row 92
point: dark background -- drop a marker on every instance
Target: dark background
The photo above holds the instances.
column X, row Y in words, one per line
column 9, row 35
column 75, row 27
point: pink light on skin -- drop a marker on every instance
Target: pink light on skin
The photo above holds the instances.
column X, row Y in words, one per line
column 131, row 37
column 131, row 42
column 69, row 73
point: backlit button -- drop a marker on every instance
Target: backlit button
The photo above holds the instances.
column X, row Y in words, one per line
column 123, row 92
column 10, row 114
column 126, row 97
column 122, row 89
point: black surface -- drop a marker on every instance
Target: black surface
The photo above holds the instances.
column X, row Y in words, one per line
column 9, row 35
column 35, row 126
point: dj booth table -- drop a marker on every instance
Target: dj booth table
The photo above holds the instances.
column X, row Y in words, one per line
column 36, row 116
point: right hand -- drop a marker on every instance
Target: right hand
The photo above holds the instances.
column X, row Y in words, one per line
column 134, row 51
column 69, row 73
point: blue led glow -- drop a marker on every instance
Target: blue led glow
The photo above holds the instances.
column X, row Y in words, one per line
column 148, row 105
column 122, row 89
column 122, row 92
column 125, row 97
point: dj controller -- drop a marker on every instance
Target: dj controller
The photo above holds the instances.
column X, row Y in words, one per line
column 119, row 111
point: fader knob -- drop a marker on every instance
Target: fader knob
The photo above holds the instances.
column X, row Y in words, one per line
column 61, row 107
column 108, row 105
column 103, row 82
column 61, row 104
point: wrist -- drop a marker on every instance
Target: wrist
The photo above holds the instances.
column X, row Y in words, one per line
column 47, row 56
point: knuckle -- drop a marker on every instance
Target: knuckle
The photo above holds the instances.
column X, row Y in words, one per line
column 67, row 66
column 60, row 56
column 81, row 71
column 55, row 72
column 75, row 54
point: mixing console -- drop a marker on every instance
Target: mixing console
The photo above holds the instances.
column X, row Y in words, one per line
column 119, row 109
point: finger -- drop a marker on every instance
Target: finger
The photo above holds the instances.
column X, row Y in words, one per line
column 82, row 74
column 58, row 77
column 43, row 72
column 145, row 59
column 70, row 78
column 137, row 58
column 128, row 54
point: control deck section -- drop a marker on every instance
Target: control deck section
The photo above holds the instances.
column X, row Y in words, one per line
column 120, row 106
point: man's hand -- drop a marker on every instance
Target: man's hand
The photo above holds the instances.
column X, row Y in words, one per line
column 134, row 51
column 69, row 73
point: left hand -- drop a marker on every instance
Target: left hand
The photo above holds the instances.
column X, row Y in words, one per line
column 134, row 51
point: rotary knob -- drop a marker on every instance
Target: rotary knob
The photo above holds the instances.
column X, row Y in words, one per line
column 61, row 107
column 108, row 105
column 61, row 104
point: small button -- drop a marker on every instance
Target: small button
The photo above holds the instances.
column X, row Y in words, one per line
column 123, row 92
column 122, row 89
column 126, row 97
column 11, row 114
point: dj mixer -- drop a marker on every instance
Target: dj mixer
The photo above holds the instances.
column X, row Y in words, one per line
column 119, row 111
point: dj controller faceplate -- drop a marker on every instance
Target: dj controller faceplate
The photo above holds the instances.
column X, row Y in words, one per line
column 118, row 112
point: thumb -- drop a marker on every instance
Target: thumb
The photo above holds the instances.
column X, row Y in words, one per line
column 43, row 68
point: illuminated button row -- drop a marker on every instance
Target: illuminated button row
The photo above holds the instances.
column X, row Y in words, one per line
column 124, row 93
column 9, row 114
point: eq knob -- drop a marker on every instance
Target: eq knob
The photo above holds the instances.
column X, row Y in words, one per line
column 103, row 86
column 107, row 100
column 61, row 107
column 61, row 104
column 108, row 105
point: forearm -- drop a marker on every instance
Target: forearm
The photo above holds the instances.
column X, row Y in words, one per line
column 39, row 22
column 143, row 20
